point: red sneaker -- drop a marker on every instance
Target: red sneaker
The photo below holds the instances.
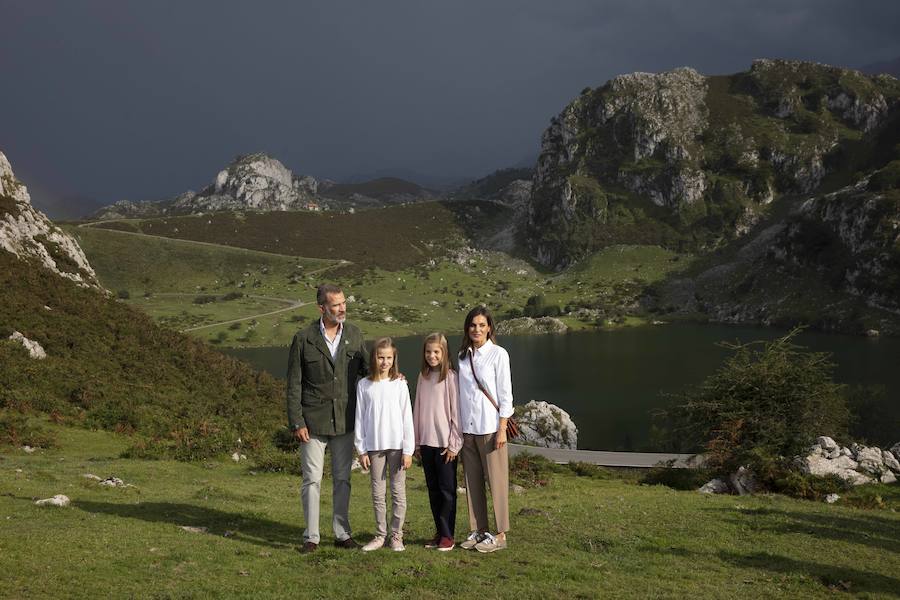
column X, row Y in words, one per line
column 434, row 542
column 445, row 544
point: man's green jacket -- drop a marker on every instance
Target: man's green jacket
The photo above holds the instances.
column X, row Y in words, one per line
column 321, row 391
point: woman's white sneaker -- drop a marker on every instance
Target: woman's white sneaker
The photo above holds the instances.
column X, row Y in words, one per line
column 471, row 541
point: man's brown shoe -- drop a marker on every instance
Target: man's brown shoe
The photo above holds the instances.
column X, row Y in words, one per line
column 349, row 544
column 309, row 547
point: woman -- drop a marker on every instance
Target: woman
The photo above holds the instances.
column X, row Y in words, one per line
column 485, row 403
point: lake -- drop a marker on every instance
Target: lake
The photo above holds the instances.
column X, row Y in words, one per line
column 610, row 382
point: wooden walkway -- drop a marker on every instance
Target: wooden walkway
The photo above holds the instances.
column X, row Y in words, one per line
column 608, row 459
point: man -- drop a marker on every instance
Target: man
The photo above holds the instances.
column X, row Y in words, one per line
column 326, row 360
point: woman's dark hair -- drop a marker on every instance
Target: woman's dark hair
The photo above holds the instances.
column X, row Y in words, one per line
column 482, row 310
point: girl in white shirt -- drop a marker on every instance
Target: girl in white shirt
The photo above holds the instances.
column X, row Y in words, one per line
column 485, row 404
column 384, row 439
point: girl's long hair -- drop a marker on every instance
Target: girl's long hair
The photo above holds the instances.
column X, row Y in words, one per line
column 436, row 338
column 380, row 343
column 482, row 310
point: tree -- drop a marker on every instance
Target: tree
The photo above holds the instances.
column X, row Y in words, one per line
column 768, row 400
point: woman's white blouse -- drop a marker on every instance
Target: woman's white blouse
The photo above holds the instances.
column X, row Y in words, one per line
column 476, row 413
column 383, row 416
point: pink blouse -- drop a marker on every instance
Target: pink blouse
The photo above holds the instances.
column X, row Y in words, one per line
column 436, row 412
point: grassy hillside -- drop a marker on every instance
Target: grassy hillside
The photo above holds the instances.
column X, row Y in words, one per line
column 390, row 238
column 432, row 294
column 589, row 536
column 110, row 366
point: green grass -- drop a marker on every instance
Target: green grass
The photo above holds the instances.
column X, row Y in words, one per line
column 576, row 537
column 430, row 295
column 165, row 265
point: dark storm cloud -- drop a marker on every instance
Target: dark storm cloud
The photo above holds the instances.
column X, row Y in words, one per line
column 143, row 100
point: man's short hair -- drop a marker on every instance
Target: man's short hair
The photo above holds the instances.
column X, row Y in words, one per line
column 324, row 290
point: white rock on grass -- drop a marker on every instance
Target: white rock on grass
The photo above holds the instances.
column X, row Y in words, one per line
column 28, row 449
column 191, row 529
column 113, row 482
column 35, row 350
column 92, row 477
column 832, row 498
column 546, row 425
column 888, row 477
column 714, row 486
column 57, row 500
column 238, row 457
column 826, row 443
column 743, row 481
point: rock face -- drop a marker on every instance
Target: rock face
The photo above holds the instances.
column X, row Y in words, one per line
column 529, row 325
column 546, row 425
column 29, row 234
column 679, row 158
column 255, row 182
column 844, row 246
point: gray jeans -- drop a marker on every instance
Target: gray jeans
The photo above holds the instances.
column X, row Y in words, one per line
column 312, row 461
column 386, row 464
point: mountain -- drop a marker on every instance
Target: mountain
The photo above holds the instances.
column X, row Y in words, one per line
column 375, row 193
column 28, row 234
column 105, row 364
column 254, row 182
column 693, row 162
column 508, row 186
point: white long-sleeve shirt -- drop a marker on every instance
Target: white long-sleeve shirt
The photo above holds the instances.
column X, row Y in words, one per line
column 383, row 416
column 476, row 413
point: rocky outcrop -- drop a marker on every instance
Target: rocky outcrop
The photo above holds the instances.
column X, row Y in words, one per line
column 255, row 182
column 681, row 158
column 35, row 350
column 29, row 234
column 843, row 246
column 529, row 325
column 546, row 425
column 856, row 465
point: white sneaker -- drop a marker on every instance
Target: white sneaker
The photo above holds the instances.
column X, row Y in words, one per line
column 375, row 544
column 474, row 538
column 397, row 543
column 490, row 544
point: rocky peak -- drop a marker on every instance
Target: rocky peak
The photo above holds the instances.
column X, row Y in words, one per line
column 251, row 182
column 680, row 159
column 29, row 234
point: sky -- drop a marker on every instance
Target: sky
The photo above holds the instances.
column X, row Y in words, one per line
column 132, row 99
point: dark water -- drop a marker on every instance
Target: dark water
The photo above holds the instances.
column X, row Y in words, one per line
column 610, row 382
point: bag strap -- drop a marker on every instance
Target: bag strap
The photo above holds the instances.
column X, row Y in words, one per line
column 480, row 387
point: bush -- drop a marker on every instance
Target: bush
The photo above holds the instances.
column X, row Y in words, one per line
column 531, row 470
column 678, row 479
column 273, row 460
column 123, row 295
column 17, row 430
column 769, row 399
column 204, row 299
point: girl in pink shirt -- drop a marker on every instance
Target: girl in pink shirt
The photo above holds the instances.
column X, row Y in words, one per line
column 437, row 435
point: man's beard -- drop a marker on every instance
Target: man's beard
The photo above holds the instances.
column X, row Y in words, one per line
column 334, row 318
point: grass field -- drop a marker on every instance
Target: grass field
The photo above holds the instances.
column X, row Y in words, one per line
column 576, row 537
column 417, row 287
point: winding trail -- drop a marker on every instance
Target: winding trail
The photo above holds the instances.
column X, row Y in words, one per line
column 291, row 304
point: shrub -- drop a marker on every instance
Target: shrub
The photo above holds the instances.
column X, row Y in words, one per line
column 17, row 430
column 204, row 299
column 273, row 460
column 679, row 479
column 531, row 470
column 123, row 295
column 769, row 399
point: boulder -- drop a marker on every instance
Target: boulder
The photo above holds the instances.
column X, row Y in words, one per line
column 842, row 466
column 35, row 350
column 870, row 460
column 57, row 500
column 888, row 477
column 826, row 443
column 546, row 425
column 714, row 486
column 832, row 498
column 743, row 482
column 890, row 461
column 895, row 449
